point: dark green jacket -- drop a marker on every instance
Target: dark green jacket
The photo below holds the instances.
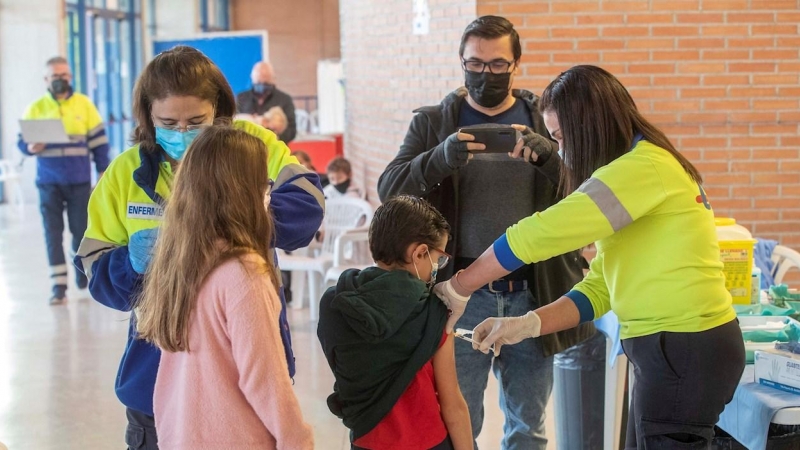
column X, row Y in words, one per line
column 377, row 330
column 420, row 169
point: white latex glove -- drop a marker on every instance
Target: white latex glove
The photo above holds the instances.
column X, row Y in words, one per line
column 455, row 302
column 506, row 330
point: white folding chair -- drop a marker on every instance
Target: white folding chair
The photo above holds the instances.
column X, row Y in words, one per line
column 301, row 121
column 341, row 215
column 350, row 251
column 313, row 122
column 784, row 258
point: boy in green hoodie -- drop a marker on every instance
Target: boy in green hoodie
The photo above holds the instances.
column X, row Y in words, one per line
column 382, row 332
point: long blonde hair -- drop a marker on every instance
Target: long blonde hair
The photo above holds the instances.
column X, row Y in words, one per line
column 216, row 213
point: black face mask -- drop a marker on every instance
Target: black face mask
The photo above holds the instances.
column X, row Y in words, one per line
column 263, row 89
column 342, row 187
column 486, row 88
column 59, row 86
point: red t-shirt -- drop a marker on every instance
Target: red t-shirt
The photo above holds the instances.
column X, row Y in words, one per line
column 415, row 422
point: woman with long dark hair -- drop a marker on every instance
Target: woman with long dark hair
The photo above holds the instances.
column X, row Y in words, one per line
column 630, row 191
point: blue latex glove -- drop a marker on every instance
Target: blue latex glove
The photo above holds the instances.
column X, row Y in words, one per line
column 140, row 248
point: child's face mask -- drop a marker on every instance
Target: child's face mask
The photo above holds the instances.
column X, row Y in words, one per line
column 434, row 271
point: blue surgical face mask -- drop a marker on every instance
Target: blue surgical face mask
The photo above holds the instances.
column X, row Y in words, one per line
column 263, row 89
column 175, row 142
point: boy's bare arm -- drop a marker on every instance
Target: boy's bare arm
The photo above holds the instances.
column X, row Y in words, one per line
column 454, row 409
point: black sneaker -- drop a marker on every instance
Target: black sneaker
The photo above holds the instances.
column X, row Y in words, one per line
column 55, row 301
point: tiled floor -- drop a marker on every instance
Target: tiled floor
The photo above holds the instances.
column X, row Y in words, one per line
column 57, row 364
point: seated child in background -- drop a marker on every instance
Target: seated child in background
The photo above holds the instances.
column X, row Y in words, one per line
column 341, row 181
column 210, row 302
column 382, row 332
column 305, row 161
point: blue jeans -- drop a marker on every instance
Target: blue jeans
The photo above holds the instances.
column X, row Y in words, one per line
column 525, row 376
column 53, row 199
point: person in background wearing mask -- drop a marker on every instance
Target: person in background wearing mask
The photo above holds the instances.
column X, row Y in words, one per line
column 341, row 181
column 481, row 199
column 271, row 107
column 63, row 173
column 179, row 93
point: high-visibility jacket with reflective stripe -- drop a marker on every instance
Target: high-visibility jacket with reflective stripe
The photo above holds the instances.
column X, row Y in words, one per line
column 69, row 163
column 657, row 263
column 130, row 197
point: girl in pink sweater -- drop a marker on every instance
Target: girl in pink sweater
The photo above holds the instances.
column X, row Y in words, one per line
column 210, row 303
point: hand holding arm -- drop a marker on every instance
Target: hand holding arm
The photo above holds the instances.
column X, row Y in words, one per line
column 454, row 297
column 456, row 291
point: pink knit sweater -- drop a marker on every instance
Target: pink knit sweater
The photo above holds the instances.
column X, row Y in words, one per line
column 232, row 389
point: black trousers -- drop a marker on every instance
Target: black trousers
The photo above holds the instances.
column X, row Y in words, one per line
column 141, row 432
column 53, row 200
column 682, row 383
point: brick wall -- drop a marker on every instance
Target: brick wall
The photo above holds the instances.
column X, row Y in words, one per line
column 720, row 77
column 301, row 32
column 389, row 72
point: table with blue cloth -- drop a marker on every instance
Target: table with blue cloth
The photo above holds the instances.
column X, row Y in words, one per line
column 748, row 416
column 754, row 407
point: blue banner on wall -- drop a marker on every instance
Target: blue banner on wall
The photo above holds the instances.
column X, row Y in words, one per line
column 234, row 52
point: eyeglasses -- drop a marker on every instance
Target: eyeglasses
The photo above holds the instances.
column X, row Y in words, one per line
column 496, row 66
column 186, row 128
column 444, row 259
column 191, row 127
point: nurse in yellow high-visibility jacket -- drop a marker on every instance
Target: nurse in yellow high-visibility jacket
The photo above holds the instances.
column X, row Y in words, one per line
column 178, row 94
column 657, row 265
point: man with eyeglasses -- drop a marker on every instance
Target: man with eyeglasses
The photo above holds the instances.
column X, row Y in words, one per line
column 482, row 194
column 63, row 173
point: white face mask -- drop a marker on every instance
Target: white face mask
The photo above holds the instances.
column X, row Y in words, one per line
column 434, row 271
column 563, row 158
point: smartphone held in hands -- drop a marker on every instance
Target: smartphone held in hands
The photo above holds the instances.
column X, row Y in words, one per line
column 496, row 138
